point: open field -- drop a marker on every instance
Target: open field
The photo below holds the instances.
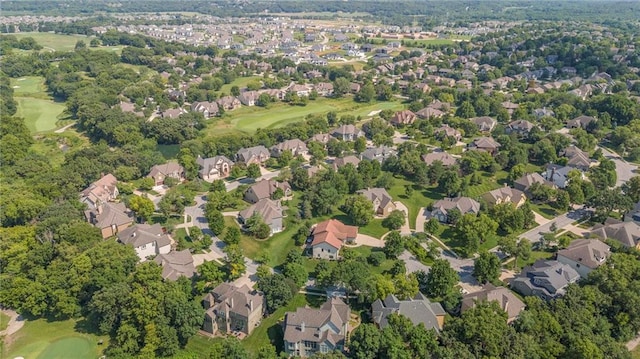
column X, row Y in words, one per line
column 4, row 321
column 249, row 119
column 62, row 42
column 40, row 339
column 35, row 105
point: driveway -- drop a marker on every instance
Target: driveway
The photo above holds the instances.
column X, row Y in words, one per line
column 369, row 241
column 249, row 278
column 411, row 263
column 534, row 235
column 624, row 169
column 198, row 219
column 421, row 219
column 405, row 229
column 265, row 174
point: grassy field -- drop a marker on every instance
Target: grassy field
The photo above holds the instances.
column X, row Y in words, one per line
column 40, row 339
column 635, row 354
column 35, row 105
column 421, row 197
column 241, row 82
column 4, row 321
column 61, row 42
column 249, row 119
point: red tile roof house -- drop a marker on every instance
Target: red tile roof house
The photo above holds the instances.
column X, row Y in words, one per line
column 329, row 237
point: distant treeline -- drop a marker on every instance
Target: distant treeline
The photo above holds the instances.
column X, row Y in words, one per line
column 388, row 11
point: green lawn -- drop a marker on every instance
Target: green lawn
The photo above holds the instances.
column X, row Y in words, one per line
column 40, row 339
column 545, row 210
column 365, row 251
column 277, row 245
column 535, row 255
column 51, row 41
column 421, row 197
column 249, row 119
column 447, row 236
column 30, row 86
column 635, row 354
column 241, row 82
column 169, row 152
column 4, row 321
column 52, row 144
column 35, row 105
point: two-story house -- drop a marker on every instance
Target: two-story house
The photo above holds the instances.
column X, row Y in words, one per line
column 265, row 189
column 271, row 212
column 168, row 170
column 584, row 255
column 214, row 168
column 256, row 154
column 147, row 240
column 329, row 237
column 232, row 309
column 441, row 209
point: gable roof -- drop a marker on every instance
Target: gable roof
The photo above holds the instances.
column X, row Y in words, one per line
column 176, row 264
column 404, row 117
column 339, row 162
column 102, row 189
column 590, row 253
column 627, row 233
column 290, row 145
column 333, row 232
column 484, row 123
column 508, row 301
column 265, row 188
column 228, row 298
column 326, row 323
column 549, row 277
column 463, row 204
column 419, row 310
column 444, row 157
column 111, row 214
column 485, row 142
column 247, row 154
column 165, row 169
column 504, row 192
column 142, row 234
column 530, row 178
column 380, row 194
column 209, row 163
column 267, row 209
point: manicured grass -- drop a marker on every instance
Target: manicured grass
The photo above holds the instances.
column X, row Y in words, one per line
column 545, row 210
column 535, row 255
column 635, row 354
column 57, row 42
column 365, row 252
column 448, row 236
column 169, row 152
column 277, row 245
column 421, row 197
column 29, row 86
column 489, row 183
column 60, row 339
column 374, row 228
column 40, row 115
column 241, row 82
column 4, row 321
column 249, row 119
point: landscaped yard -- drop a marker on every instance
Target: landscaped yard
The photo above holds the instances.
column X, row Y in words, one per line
column 249, row 119
column 421, row 197
column 40, row 339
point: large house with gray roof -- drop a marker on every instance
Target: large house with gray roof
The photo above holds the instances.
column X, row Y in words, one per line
column 545, row 279
column 507, row 301
column 382, row 202
column 584, row 255
column 419, row 310
column 316, row 330
column 256, row 154
column 214, row 168
column 147, row 240
column 269, row 211
column 230, row 309
column 176, row 264
column 627, row 233
column 266, row 189
column 441, row 209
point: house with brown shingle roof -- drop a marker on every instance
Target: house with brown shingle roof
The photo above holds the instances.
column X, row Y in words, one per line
column 520, row 127
column 580, row 122
column 110, row 218
column 484, row 123
column 428, row 112
column 101, row 191
column 404, row 117
column 440, row 209
column 343, row 161
column 525, row 182
column 256, row 154
column 230, row 309
column 445, row 130
column 296, row 146
column 271, row 212
column 265, row 189
column 627, row 233
column 316, row 330
column 505, row 195
column 170, row 169
column 382, row 202
column 584, row 255
column 445, row 158
column 208, row 109
column 176, row 264
column 328, row 238
column 147, row 240
column 347, row 133
column 487, row 144
column 507, row 301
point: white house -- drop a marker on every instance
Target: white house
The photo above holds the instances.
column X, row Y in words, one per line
column 147, row 240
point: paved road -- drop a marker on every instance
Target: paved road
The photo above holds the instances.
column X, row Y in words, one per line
column 198, row 219
column 535, row 234
column 411, row 263
column 624, row 169
column 230, row 186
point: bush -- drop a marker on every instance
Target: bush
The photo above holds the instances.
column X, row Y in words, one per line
column 394, row 221
column 376, row 258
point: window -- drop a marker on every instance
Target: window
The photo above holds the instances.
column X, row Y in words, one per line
column 144, row 246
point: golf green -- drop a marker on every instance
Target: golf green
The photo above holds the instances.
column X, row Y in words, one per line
column 69, row 348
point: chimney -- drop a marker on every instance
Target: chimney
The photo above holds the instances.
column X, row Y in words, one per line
column 302, row 327
column 251, row 305
column 231, row 302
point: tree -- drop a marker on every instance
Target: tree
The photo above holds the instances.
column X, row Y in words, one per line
column 474, row 230
column 142, row 206
column 277, row 291
column 632, row 189
column 394, row 244
column 432, row 226
column 253, row 171
column 256, row 226
column 228, row 348
column 215, row 219
column 359, row 209
column 218, row 186
column 466, row 110
column 209, row 276
column 341, row 86
column 365, row 342
column 441, row 279
column 486, row 268
column 296, row 272
column 366, row 94
column 234, row 261
column 231, row 235
column 360, row 144
column 394, row 220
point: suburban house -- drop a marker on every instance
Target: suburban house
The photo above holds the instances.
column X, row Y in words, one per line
column 230, row 309
column 208, row 109
column 214, row 168
column 525, row 182
column 343, row 161
column 487, row 144
column 379, row 154
column 382, row 202
column 296, row 147
column 504, row 195
column 101, row 191
column 484, row 123
column 265, row 189
column 545, row 279
column 578, row 158
column 147, row 240
column 419, row 310
column 508, row 301
column 328, row 238
column 447, row 131
column 441, row 208
column 520, row 127
column 170, row 169
column 324, row 89
column 110, row 218
column 173, row 113
column 584, row 255
column 256, row 154
column 347, row 133
column 309, row 330
column 228, row 103
column 559, row 175
column 428, row 112
column 321, row 138
column 445, row 158
column 627, row 233
column 249, row 98
column 510, row 107
column 580, row 122
column 270, row 211
column 176, row 264
column 404, row 117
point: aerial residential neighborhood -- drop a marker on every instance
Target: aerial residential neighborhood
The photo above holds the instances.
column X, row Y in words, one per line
column 361, row 179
